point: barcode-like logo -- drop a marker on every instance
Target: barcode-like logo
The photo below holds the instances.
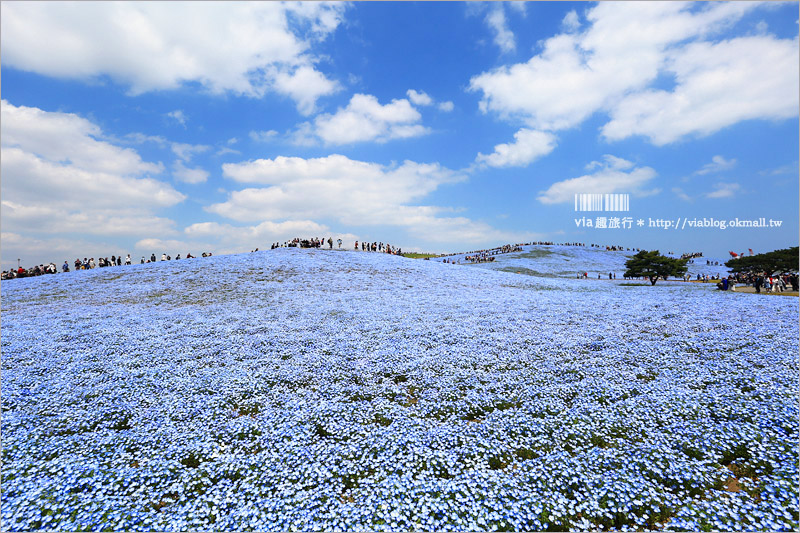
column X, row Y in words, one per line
column 602, row 202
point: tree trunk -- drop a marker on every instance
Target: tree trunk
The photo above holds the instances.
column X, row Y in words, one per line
column 653, row 280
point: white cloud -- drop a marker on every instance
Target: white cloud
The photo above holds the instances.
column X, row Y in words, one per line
column 623, row 49
column 49, row 219
column 229, row 239
column 263, row 136
column 241, row 237
column 784, row 169
column 171, row 247
column 364, row 119
column 141, row 138
column 528, row 146
column 571, row 23
column 503, row 37
column 424, row 99
column 185, row 151
column 303, row 135
column 306, row 86
column 335, row 186
column 32, row 179
column 246, row 48
column 419, row 98
column 178, row 116
column 718, row 84
column 718, row 164
column 227, row 150
column 350, row 192
column 69, row 139
column 519, row 7
column 613, row 162
column 188, row 175
column 42, row 250
column 610, row 178
column 723, row 190
column 58, row 177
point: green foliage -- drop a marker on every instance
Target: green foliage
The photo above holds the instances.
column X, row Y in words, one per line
column 777, row 261
column 654, row 265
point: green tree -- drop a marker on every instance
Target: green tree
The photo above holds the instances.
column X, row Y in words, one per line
column 778, row 261
column 654, row 265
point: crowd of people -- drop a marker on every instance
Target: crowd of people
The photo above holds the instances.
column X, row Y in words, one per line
column 87, row 264
column 488, row 256
column 378, row 247
column 484, row 255
column 614, row 248
column 297, row 242
column 320, row 242
column 759, row 281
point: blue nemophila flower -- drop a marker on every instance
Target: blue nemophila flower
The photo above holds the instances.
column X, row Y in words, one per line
column 302, row 390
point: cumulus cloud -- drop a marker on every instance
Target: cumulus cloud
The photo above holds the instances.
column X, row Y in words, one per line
column 59, row 177
column 67, row 138
column 305, row 85
column 335, row 186
column 351, row 192
column 623, row 49
column 718, row 84
column 363, row 119
column 245, row 48
column 614, row 175
column 528, row 146
column 446, row 106
column 419, row 98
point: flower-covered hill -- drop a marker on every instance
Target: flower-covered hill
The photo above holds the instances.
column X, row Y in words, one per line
column 325, row 390
column 562, row 261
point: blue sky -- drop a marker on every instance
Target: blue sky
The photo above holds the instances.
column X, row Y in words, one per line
column 187, row 127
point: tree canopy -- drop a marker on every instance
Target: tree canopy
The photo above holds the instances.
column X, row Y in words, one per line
column 777, row 261
column 654, row 265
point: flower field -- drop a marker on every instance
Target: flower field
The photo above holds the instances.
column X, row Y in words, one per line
column 325, row 390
